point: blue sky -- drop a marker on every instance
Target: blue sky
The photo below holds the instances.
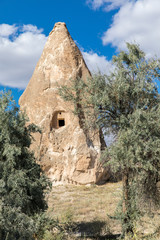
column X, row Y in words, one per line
column 99, row 27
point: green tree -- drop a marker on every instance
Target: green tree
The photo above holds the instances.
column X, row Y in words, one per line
column 137, row 153
column 22, row 183
column 119, row 99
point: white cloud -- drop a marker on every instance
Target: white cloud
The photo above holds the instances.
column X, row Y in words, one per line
column 31, row 28
column 97, row 63
column 136, row 22
column 7, row 30
column 20, row 49
column 107, row 5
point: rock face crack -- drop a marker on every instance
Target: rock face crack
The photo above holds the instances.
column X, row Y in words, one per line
column 66, row 152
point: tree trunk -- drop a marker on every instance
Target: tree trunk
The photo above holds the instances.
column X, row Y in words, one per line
column 125, row 192
column 127, row 228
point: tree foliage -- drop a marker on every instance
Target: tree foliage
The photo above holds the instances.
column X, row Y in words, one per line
column 137, row 153
column 126, row 102
column 22, row 183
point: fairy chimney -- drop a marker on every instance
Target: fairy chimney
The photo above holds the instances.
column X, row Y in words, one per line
column 62, row 148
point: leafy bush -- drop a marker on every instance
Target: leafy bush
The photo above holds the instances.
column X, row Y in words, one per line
column 22, row 183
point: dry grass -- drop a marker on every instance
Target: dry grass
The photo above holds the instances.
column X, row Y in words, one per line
column 88, row 204
column 92, row 205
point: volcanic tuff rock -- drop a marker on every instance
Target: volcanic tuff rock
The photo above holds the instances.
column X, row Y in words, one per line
column 62, row 149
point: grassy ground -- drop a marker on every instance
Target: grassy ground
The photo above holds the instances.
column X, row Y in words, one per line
column 90, row 208
column 88, row 205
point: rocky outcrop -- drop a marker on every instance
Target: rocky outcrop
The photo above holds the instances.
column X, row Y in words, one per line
column 62, row 149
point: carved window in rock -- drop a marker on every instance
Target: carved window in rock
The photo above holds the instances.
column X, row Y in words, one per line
column 58, row 120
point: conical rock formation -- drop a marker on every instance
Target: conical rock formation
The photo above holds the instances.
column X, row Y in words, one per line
column 62, row 148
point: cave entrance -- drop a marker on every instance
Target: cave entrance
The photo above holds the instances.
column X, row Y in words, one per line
column 61, row 122
column 58, row 120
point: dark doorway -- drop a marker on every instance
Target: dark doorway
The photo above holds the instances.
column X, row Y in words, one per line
column 61, row 122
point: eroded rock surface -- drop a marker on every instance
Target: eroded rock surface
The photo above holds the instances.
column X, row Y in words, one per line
column 62, row 149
